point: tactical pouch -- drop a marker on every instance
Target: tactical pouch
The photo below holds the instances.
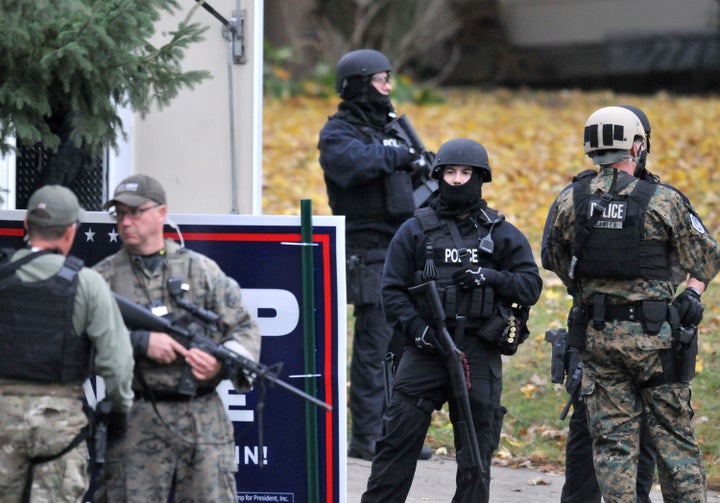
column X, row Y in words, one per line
column 686, row 355
column 654, row 314
column 482, row 301
column 684, row 347
column 577, row 328
column 364, row 277
column 399, row 200
column 507, row 329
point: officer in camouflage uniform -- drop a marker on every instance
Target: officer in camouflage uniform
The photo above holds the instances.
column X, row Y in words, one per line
column 173, row 440
column 53, row 313
column 481, row 264
column 581, row 485
column 613, row 239
column 369, row 177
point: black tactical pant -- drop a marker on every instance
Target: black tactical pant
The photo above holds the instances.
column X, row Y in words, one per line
column 367, row 390
column 422, row 384
column 581, row 485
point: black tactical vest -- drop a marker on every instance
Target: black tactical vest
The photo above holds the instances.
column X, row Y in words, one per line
column 442, row 257
column 37, row 338
column 380, row 199
column 609, row 242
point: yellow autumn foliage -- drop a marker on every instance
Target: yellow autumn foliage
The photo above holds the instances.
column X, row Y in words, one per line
column 534, row 140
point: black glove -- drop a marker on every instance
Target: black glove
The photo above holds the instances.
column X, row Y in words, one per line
column 425, row 338
column 417, row 162
column 468, row 278
column 689, row 307
column 117, row 427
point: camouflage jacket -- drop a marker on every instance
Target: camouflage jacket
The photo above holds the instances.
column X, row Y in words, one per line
column 210, row 289
column 667, row 219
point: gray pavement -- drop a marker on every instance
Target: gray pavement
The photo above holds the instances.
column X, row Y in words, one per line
column 435, row 482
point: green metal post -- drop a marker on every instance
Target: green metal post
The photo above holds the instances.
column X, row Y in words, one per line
column 308, row 300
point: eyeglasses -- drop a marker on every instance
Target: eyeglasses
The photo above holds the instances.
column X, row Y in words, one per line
column 133, row 213
column 380, row 80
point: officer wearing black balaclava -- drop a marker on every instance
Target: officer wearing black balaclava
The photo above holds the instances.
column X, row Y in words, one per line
column 484, row 271
column 369, row 175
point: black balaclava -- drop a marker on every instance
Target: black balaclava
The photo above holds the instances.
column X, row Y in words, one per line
column 458, row 199
column 360, row 96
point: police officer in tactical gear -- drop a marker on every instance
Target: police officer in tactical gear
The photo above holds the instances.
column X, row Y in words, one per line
column 616, row 242
column 58, row 323
column 581, row 484
column 369, row 174
column 177, row 443
column 481, row 265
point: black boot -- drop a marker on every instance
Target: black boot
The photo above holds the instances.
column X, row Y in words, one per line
column 362, row 447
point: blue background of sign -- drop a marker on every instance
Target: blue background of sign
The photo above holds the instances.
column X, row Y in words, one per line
column 262, row 253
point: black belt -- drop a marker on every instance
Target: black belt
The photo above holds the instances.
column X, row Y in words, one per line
column 171, row 396
column 617, row 312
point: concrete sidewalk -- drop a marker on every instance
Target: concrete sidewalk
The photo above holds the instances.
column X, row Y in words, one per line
column 435, row 482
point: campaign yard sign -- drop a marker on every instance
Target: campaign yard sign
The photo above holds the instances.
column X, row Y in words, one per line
column 263, row 253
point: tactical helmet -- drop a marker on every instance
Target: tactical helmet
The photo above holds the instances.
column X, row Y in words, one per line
column 363, row 62
column 644, row 121
column 462, row 152
column 611, row 128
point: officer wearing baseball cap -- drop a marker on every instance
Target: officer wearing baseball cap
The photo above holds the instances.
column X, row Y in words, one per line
column 55, row 315
column 53, row 205
column 136, row 190
column 160, row 456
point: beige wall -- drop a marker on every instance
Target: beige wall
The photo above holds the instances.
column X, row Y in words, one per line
column 187, row 145
column 533, row 23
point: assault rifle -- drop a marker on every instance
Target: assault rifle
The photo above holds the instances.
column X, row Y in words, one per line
column 468, row 456
column 404, row 130
column 234, row 364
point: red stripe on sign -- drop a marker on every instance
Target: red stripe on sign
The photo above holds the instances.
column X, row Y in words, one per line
column 324, row 241
column 12, row 232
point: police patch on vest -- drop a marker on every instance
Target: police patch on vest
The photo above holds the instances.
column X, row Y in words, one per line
column 697, row 224
column 456, row 256
column 612, row 217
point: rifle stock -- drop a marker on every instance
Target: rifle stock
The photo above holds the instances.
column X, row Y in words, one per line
column 468, row 456
column 137, row 317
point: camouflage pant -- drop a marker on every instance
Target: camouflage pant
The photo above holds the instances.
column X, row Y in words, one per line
column 34, row 426
column 618, row 360
column 194, row 448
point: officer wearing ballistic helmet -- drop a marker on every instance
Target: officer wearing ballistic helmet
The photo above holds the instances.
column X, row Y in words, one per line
column 616, row 242
column 483, row 268
column 369, row 174
column 581, row 485
column 58, row 323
